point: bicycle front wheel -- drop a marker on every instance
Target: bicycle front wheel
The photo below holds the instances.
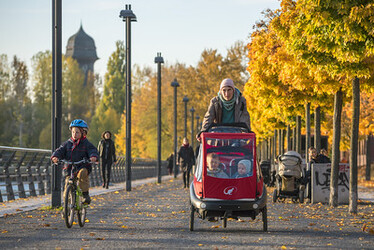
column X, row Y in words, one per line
column 69, row 206
column 81, row 214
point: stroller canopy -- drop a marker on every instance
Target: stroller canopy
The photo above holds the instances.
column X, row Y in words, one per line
column 290, row 164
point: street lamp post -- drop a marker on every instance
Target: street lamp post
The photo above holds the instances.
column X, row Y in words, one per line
column 159, row 60
column 128, row 16
column 185, row 100
column 175, row 84
column 56, row 97
column 192, row 110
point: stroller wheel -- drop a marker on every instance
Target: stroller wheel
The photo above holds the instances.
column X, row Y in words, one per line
column 275, row 196
column 301, row 196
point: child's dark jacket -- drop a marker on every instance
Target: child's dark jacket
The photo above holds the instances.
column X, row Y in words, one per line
column 76, row 150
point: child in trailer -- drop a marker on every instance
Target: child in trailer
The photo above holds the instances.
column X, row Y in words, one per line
column 245, row 169
column 76, row 149
column 213, row 166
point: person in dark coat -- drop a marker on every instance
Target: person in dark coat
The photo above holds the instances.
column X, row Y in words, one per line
column 170, row 160
column 314, row 157
column 107, row 153
column 186, row 158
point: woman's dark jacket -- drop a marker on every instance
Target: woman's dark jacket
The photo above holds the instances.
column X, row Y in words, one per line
column 76, row 150
column 107, row 150
column 170, row 161
column 186, row 156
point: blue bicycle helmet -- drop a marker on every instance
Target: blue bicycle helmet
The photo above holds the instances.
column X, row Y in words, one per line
column 80, row 124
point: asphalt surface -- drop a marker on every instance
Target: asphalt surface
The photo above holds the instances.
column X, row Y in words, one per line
column 157, row 216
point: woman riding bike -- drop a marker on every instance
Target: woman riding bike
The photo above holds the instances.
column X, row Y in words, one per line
column 229, row 106
column 76, row 149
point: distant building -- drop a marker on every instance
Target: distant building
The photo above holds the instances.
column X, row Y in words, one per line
column 82, row 48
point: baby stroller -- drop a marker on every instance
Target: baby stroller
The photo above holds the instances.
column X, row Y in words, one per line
column 289, row 178
column 265, row 169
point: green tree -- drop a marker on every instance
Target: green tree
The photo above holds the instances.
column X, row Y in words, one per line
column 113, row 95
column 42, row 84
column 19, row 79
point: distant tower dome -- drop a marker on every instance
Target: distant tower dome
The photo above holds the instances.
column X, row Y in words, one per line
column 82, row 48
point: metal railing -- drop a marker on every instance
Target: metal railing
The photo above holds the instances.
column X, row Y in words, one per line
column 26, row 172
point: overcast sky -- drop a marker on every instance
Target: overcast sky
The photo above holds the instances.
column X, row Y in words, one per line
column 179, row 29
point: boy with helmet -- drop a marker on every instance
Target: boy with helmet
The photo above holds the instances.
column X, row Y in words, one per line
column 75, row 149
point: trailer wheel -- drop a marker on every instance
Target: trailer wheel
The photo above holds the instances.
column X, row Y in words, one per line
column 224, row 222
column 192, row 217
column 265, row 218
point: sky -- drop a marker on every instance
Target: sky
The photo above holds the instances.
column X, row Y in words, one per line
column 179, row 29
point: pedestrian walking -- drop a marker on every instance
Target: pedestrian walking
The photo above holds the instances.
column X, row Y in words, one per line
column 170, row 161
column 107, row 153
column 186, row 158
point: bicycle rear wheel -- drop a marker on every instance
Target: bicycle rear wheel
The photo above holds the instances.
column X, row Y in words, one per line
column 81, row 213
column 69, row 206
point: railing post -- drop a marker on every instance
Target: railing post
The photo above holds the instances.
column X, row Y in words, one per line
column 30, row 178
column 47, row 176
column 123, row 170
column 97, row 174
column 39, row 176
column 8, row 182
column 21, row 188
column 115, row 173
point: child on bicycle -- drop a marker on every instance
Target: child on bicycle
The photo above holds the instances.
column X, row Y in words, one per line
column 75, row 149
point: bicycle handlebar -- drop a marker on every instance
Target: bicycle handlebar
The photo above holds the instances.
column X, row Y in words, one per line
column 74, row 162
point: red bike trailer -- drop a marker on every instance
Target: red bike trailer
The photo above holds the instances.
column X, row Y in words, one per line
column 227, row 197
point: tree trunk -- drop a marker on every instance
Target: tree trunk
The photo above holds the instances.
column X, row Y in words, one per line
column 294, row 139
column 317, row 128
column 288, row 138
column 354, row 147
column 369, row 138
column 307, row 136
column 275, row 143
column 338, row 103
column 280, row 141
column 298, row 134
column 272, row 154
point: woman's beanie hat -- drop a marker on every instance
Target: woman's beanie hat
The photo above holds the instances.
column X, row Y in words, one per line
column 227, row 83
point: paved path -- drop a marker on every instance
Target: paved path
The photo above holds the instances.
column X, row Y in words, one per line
column 28, row 204
column 156, row 216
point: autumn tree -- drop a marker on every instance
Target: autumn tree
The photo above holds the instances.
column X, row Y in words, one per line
column 199, row 84
column 336, row 39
